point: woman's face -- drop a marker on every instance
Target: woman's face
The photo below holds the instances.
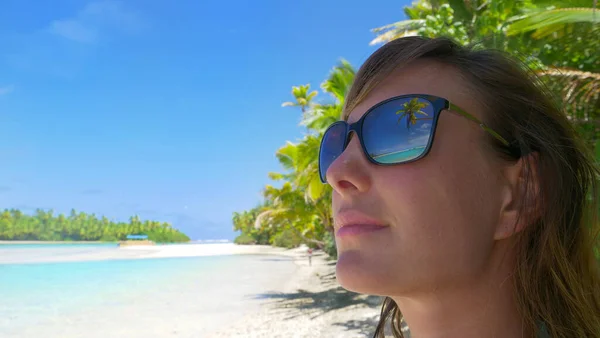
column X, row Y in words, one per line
column 440, row 212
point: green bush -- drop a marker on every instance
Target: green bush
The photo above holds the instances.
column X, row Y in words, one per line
column 262, row 236
column 109, row 238
column 244, row 239
column 330, row 247
column 287, row 239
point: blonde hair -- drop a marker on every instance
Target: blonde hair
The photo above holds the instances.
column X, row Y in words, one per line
column 556, row 278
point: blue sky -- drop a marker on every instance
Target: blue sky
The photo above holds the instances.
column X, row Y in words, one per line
column 166, row 109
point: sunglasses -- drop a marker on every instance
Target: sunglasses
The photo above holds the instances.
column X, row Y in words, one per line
column 398, row 130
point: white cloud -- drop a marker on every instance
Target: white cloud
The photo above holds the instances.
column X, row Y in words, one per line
column 419, row 140
column 95, row 20
column 64, row 45
column 4, row 90
column 73, row 30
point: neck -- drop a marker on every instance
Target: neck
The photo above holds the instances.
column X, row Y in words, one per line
column 482, row 308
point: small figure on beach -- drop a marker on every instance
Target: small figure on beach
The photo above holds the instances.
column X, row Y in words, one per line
column 310, row 252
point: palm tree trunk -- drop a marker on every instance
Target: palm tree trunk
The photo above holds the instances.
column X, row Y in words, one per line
column 319, row 244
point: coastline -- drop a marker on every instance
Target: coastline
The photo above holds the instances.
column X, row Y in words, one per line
column 306, row 303
column 50, row 254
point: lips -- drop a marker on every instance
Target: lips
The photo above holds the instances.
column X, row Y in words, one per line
column 353, row 222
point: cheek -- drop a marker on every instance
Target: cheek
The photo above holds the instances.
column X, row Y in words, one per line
column 423, row 215
column 441, row 214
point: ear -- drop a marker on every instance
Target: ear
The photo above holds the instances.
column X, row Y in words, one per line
column 520, row 196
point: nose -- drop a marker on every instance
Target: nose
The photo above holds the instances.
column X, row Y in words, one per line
column 349, row 174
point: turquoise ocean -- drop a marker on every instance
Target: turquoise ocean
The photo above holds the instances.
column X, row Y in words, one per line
column 192, row 295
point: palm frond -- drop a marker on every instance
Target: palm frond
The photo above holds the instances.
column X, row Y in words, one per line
column 580, row 90
column 287, row 155
column 339, row 81
column 461, row 10
column 555, row 18
column 316, row 189
column 322, row 116
column 303, row 97
column 276, row 176
column 396, row 30
column 262, row 217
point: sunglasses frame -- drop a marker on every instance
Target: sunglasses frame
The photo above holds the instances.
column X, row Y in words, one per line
column 439, row 104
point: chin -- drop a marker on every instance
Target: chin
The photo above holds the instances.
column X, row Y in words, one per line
column 360, row 273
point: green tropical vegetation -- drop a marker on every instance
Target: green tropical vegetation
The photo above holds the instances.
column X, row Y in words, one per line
column 79, row 226
column 296, row 207
column 559, row 40
column 410, row 111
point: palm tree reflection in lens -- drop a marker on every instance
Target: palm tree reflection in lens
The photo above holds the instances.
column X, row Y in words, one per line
column 411, row 108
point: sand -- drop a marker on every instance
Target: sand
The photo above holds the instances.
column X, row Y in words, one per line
column 304, row 301
column 66, row 253
column 310, row 304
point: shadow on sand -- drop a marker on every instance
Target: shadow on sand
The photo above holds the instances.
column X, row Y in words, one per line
column 365, row 327
column 315, row 304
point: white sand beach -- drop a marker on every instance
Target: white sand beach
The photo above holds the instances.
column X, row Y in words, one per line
column 197, row 250
column 310, row 304
column 278, row 297
column 57, row 254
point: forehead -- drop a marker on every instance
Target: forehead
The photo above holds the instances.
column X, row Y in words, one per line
column 418, row 77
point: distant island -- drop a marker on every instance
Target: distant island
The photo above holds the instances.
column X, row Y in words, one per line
column 80, row 226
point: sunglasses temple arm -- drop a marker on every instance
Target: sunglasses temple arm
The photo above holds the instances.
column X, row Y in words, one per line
column 480, row 123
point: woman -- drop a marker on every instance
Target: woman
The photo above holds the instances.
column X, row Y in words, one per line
column 462, row 194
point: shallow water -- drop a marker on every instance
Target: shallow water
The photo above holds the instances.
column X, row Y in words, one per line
column 183, row 297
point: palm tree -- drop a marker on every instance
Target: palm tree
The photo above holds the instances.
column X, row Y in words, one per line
column 288, row 209
column 302, row 204
column 320, row 116
column 446, row 16
column 300, row 161
column 570, row 21
column 560, row 42
column 303, row 97
column 410, row 109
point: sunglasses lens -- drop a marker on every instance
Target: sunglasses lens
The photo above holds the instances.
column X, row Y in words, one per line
column 332, row 146
column 399, row 130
